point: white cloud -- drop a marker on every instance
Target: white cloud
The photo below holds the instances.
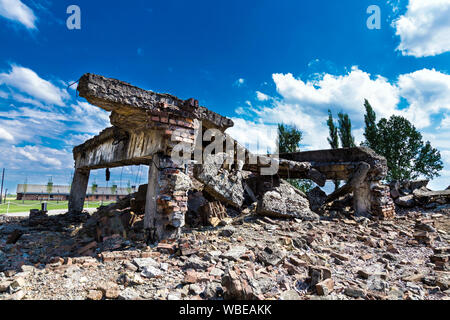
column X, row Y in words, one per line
column 427, row 92
column 15, row 10
column 424, row 29
column 27, row 81
column 239, row 82
column 345, row 92
column 445, row 123
column 5, row 135
column 88, row 118
column 304, row 103
column 258, row 137
column 262, row 96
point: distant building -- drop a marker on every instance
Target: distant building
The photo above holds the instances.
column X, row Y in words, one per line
column 61, row 193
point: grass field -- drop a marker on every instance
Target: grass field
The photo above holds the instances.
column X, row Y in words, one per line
column 12, row 205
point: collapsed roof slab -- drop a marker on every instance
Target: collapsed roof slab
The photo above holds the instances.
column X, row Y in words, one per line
column 341, row 163
column 115, row 147
column 133, row 105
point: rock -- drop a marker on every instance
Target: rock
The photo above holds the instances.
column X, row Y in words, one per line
column 413, row 185
column 94, row 295
column 195, row 289
column 290, row 295
column 190, row 276
column 129, row 266
column 318, row 274
column 129, row 294
column 216, row 272
column 14, row 236
column 174, row 296
column 234, row 253
column 284, row 201
column 270, row 256
column 4, row 285
column 340, row 256
column 443, row 281
column 213, row 290
column 110, row 290
column 142, row 263
column 354, row 292
column 390, row 257
column 406, row 201
column 413, row 278
column 424, row 227
column 377, row 284
column 242, row 287
column 316, row 198
column 222, row 184
column 19, row 295
column 325, row 287
column 17, row 284
column 26, row 268
column 227, row 231
column 151, row 272
column 196, row 263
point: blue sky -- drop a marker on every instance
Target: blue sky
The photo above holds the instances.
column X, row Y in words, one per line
column 258, row 62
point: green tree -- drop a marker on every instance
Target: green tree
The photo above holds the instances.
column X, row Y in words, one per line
column 129, row 189
column 49, row 186
column 370, row 130
column 114, row 189
column 333, row 139
column 408, row 157
column 25, row 188
column 288, row 140
column 94, row 188
column 345, row 131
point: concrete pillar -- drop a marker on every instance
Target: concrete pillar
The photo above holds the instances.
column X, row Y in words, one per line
column 362, row 198
column 78, row 190
column 151, row 208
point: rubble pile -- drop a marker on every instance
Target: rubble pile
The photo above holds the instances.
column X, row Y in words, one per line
column 220, row 230
column 246, row 257
column 409, row 194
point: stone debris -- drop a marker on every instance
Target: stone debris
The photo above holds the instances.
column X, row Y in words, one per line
column 221, row 230
column 409, row 194
column 255, row 258
column 281, row 200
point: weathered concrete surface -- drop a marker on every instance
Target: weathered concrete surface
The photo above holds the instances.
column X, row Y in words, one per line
column 362, row 168
column 78, row 190
column 224, row 185
column 339, row 164
column 124, row 99
column 116, row 147
column 316, row 198
column 280, row 199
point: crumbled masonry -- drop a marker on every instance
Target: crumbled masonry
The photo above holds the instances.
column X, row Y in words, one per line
column 149, row 127
column 227, row 227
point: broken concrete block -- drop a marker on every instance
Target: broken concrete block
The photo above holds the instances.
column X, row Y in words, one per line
column 325, row 287
column 405, row 201
column 222, row 184
column 283, row 201
column 94, row 295
column 316, row 198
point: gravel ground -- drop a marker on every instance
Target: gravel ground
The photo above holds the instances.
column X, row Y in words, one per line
column 249, row 258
